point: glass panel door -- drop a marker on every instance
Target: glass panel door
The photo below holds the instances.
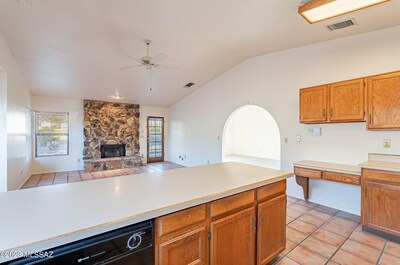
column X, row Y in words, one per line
column 155, row 139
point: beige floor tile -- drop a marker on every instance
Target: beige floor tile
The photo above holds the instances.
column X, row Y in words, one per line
column 343, row 222
column 289, row 219
column 388, row 259
column 289, row 246
column 286, row 261
column 299, row 208
column 338, row 229
column 320, row 215
column 346, row 258
column 294, row 235
column 393, row 248
column 326, row 209
column 368, row 239
column 308, row 218
column 303, row 226
column 305, row 256
column 361, row 250
column 329, row 237
column 293, row 213
column 349, row 216
column 319, row 247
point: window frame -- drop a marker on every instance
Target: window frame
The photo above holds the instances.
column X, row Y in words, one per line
column 37, row 114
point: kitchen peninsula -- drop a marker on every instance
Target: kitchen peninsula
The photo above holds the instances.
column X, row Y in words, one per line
column 187, row 203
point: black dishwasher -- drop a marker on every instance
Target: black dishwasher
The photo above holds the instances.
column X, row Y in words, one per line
column 129, row 245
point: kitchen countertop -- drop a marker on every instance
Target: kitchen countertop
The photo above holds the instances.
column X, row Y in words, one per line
column 388, row 162
column 339, row 168
column 45, row 217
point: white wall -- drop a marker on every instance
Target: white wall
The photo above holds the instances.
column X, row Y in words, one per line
column 3, row 130
column 252, row 131
column 146, row 111
column 18, row 100
column 73, row 161
column 272, row 81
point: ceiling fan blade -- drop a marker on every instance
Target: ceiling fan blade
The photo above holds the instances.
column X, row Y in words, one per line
column 135, row 59
column 165, row 67
column 129, row 67
column 159, row 58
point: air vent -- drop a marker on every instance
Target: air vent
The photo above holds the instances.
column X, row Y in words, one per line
column 342, row 25
column 190, row 84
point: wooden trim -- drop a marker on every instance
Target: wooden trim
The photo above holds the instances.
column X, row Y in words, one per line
column 340, row 177
column 232, row 203
column 318, row 3
column 157, row 159
column 308, row 173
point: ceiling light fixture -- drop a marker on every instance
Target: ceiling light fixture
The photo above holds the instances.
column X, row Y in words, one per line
column 117, row 96
column 319, row 10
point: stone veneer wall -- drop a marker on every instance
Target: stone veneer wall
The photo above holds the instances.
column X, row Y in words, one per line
column 110, row 123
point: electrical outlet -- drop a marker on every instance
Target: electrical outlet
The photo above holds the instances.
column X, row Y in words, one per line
column 286, row 140
column 298, row 138
column 386, row 143
column 79, row 160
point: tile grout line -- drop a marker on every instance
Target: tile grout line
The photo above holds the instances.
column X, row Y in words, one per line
column 382, row 252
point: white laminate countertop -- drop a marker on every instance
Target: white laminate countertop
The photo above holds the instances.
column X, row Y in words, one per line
column 340, row 168
column 389, row 162
column 41, row 218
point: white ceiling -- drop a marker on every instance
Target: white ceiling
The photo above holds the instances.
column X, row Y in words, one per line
column 73, row 48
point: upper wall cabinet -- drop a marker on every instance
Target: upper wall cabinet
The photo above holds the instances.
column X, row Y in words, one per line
column 313, row 104
column 338, row 102
column 347, row 101
column 384, row 102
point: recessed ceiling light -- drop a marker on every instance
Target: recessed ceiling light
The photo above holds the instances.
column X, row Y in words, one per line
column 319, row 10
column 25, row 3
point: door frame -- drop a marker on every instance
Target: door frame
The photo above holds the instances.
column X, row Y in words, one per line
column 161, row 159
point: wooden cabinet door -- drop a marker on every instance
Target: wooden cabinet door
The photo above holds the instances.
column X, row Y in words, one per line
column 271, row 234
column 233, row 239
column 190, row 248
column 380, row 207
column 384, row 101
column 347, row 101
column 313, row 103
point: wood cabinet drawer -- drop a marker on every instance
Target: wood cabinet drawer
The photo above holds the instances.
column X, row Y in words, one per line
column 178, row 221
column 380, row 175
column 271, row 190
column 339, row 177
column 232, row 203
column 308, row 173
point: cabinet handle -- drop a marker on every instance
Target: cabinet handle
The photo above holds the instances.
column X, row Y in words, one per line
column 365, row 192
column 370, row 118
column 262, row 220
column 331, row 112
column 254, row 225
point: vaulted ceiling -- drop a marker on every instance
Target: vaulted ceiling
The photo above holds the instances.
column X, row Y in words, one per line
column 73, row 48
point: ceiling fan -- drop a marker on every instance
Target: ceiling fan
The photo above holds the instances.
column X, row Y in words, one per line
column 149, row 62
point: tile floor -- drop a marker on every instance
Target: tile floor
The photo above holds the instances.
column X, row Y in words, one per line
column 76, row 176
column 320, row 235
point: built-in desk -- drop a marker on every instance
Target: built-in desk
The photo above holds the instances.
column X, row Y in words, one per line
column 304, row 170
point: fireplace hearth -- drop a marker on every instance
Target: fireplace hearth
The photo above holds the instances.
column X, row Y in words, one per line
column 112, row 150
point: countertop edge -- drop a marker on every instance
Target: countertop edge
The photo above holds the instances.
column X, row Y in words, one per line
column 328, row 169
column 119, row 223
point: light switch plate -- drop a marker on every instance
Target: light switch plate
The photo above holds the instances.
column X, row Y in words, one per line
column 386, row 143
column 314, row 131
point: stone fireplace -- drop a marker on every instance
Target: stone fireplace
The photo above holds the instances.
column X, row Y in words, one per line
column 111, row 135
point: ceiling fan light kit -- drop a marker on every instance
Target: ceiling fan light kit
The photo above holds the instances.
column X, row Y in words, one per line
column 319, row 10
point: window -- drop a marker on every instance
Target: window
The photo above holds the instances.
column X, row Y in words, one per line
column 51, row 131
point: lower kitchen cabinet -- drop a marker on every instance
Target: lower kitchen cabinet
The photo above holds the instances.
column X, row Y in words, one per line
column 381, row 201
column 271, row 233
column 243, row 229
column 233, row 238
column 190, row 248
